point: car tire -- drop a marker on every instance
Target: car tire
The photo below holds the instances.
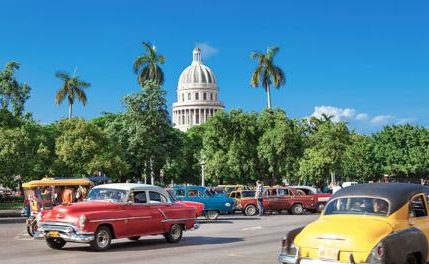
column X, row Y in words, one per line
column 102, row 239
column 297, row 209
column 250, row 210
column 320, row 207
column 212, row 214
column 411, row 259
column 32, row 228
column 134, row 238
column 55, row 243
column 175, row 233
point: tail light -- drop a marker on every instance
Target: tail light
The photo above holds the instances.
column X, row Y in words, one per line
column 380, row 251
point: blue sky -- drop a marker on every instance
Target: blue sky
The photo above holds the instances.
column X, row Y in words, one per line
column 366, row 62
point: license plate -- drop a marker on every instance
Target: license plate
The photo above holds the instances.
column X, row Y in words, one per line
column 328, row 253
column 54, row 234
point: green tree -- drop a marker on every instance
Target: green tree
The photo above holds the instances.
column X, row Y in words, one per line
column 280, row 146
column 360, row 161
column 147, row 68
column 326, row 145
column 403, row 151
column 267, row 72
column 72, row 88
column 83, row 148
column 13, row 95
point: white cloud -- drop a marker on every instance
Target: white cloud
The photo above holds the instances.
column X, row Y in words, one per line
column 382, row 119
column 338, row 114
column 362, row 116
column 207, row 51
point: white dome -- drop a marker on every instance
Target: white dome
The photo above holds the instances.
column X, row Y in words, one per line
column 197, row 72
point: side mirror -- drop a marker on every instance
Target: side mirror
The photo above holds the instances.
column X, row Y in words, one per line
column 129, row 202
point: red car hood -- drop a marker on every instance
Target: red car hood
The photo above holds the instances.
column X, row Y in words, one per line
column 70, row 212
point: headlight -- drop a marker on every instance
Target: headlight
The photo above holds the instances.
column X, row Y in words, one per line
column 227, row 204
column 291, row 250
column 39, row 217
column 81, row 221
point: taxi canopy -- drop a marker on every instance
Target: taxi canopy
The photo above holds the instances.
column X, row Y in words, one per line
column 56, row 182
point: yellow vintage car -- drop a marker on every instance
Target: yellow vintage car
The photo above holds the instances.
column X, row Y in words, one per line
column 365, row 223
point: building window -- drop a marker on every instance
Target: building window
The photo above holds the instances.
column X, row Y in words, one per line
column 197, row 117
column 189, row 96
column 197, row 95
column 215, row 97
column 204, row 96
column 211, row 97
column 183, row 97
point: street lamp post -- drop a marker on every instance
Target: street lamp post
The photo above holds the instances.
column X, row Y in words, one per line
column 203, row 169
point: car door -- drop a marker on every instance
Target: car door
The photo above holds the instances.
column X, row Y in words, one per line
column 160, row 206
column 138, row 214
column 419, row 214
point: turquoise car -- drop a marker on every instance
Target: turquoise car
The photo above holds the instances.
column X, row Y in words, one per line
column 213, row 204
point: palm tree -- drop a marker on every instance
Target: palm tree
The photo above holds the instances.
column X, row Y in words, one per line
column 266, row 72
column 146, row 66
column 72, row 89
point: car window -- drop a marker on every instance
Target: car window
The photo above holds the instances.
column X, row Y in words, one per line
column 245, row 194
column 156, row 197
column 180, row 193
column 357, row 206
column 139, row 197
column 195, row 193
column 107, row 194
column 301, row 192
column 418, row 207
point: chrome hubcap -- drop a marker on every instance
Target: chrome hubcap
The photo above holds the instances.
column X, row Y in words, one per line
column 298, row 209
column 102, row 239
column 175, row 232
column 251, row 210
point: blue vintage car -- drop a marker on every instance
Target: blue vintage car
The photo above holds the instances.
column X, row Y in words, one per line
column 213, row 204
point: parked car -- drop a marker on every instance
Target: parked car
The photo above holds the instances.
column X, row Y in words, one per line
column 279, row 199
column 366, row 223
column 239, row 195
column 213, row 204
column 199, row 207
column 116, row 211
column 321, row 198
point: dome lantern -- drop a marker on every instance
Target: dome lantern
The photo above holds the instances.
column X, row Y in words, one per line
column 196, row 55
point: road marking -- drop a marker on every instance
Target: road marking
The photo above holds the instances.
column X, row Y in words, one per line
column 23, row 236
column 252, row 228
column 236, row 255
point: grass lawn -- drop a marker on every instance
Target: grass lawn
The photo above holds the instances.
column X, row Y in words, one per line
column 11, row 205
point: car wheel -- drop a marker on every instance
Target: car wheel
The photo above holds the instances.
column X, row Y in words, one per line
column 250, row 210
column 102, row 239
column 212, row 215
column 297, row 209
column 55, row 243
column 134, row 238
column 411, row 259
column 32, row 228
column 320, row 207
column 175, row 233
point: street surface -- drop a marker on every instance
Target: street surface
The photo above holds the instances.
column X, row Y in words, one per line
column 231, row 239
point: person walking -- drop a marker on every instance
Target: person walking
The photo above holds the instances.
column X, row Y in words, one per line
column 259, row 196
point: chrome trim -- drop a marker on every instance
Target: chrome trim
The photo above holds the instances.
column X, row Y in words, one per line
column 177, row 219
column 289, row 259
column 163, row 214
column 120, row 219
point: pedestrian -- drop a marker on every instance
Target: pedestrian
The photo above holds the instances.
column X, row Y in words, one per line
column 259, row 195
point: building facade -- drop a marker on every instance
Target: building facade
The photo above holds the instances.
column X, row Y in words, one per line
column 197, row 95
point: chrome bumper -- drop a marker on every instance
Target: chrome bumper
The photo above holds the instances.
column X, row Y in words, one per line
column 296, row 259
column 66, row 231
column 196, row 226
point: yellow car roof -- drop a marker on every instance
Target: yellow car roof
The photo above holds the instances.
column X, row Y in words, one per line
column 56, row 182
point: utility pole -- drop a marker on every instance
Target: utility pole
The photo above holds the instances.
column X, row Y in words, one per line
column 203, row 170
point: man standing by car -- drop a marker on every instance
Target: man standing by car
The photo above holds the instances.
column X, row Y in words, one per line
column 259, row 196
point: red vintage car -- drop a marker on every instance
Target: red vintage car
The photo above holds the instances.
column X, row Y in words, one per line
column 116, row 211
column 321, row 198
column 198, row 206
column 279, row 199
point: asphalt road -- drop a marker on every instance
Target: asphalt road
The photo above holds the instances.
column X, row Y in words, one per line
column 231, row 239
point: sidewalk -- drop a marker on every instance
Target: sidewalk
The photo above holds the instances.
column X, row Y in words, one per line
column 10, row 213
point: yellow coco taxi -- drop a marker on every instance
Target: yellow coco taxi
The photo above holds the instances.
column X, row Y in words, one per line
column 367, row 223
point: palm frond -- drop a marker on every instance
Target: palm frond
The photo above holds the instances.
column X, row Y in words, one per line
column 83, row 84
column 65, row 76
column 279, row 77
column 254, row 81
column 139, row 62
column 81, row 96
column 159, row 79
column 272, row 51
column 160, row 59
column 61, row 94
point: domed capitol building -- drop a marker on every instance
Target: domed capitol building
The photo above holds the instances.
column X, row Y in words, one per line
column 197, row 95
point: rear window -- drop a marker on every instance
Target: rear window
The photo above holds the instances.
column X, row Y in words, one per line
column 358, row 206
column 246, row 194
